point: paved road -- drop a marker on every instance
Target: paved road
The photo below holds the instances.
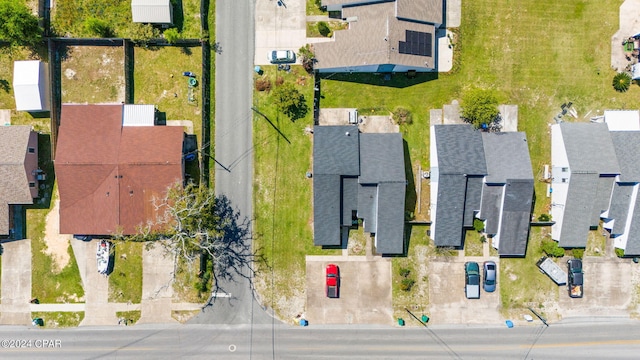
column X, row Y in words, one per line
column 234, row 145
column 576, row 340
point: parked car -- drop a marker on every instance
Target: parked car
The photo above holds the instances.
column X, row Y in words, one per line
column 576, row 279
column 332, row 274
column 281, row 56
column 472, row 280
column 489, row 275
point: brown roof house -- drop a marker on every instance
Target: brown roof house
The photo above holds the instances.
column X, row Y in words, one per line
column 109, row 173
column 383, row 36
column 18, row 173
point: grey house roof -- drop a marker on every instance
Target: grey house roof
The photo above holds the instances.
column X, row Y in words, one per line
column 633, row 241
column 591, row 156
column 363, row 173
column 461, row 165
column 516, row 215
column 620, row 201
column 374, row 39
column 507, row 156
column 626, row 144
column 578, row 206
column 491, row 205
column 14, row 184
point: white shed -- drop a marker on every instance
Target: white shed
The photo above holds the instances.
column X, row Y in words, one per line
column 138, row 115
column 31, row 85
column 152, row 11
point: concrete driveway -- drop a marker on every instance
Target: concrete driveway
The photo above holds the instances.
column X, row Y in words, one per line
column 16, row 283
column 448, row 304
column 279, row 27
column 365, row 291
column 609, row 285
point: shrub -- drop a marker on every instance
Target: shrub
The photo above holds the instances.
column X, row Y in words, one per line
column 551, row 248
column 323, row 29
column 402, row 116
column 404, row 272
column 141, row 33
column 620, row 252
column 98, row 27
column 478, row 225
column 621, row 82
column 544, row 217
column 263, row 85
column 279, row 80
column 407, row 284
column 480, row 107
column 171, row 35
column 307, row 56
column 577, row 253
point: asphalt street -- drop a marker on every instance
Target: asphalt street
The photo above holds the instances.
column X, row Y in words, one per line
column 234, row 148
column 578, row 340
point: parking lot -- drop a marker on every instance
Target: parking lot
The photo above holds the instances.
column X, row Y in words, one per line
column 448, row 304
column 365, row 291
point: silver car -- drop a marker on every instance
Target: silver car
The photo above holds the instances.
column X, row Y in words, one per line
column 489, row 283
column 281, row 56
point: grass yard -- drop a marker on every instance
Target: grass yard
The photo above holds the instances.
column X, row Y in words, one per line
column 69, row 16
column 131, row 317
column 417, row 297
column 313, row 8
column 283, row 197
column 56, row 320
column 158, row 80
column 312, row 27
column 93, row 74
column 186, row 282
column 125, row 282
column 473, row 243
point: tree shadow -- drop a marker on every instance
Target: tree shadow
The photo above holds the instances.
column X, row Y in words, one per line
column 4, row 85
column 186, row 50
column 178, row 14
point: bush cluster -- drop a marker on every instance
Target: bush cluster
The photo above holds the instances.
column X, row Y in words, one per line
column 551, row 248
column 263, row 85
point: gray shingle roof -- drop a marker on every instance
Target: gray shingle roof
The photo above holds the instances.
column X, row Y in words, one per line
column 349, row 199
column 472, row 199
column 390, row 223
column 633, row 241
column 601, row 198
column 490, row 207
column 589, row 148
column 460, row 150
column 429, row 11
column 14, row 185
column 578, row 207
column 507, row 155
column 336, row 150
column 373, row 40
column 326, row 209
column 450, row 210
column 516, row 216
column 379, row 158
column 626, row 145
column 363, row 172
column 620, row 201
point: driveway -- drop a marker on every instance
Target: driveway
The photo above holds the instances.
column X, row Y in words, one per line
column 16, row 283
column 629, row 26
column 448, row 304
column 279, row 27
column 365, row 291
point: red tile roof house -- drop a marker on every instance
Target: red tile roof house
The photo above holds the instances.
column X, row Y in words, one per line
column 18, row 172
column 108, row 173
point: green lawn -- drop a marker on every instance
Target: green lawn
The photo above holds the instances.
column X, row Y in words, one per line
column 125, row 282
column 93, row 74
column 282, row 206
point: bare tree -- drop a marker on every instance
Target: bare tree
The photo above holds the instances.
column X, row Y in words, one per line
column 193, row 222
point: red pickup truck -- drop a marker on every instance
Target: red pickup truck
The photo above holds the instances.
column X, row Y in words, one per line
column 332, row 281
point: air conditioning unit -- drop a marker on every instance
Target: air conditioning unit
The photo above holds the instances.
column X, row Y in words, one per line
column 353, row 117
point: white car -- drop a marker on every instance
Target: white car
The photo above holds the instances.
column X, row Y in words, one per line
column 281, row 56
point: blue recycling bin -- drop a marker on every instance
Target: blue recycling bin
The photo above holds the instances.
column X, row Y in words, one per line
column 304, row 322
column 509, row 324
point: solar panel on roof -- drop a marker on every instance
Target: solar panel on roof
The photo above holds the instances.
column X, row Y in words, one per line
column 417, row 43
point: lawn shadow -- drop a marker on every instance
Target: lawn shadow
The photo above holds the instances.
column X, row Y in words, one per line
column 186, row 50
column 178, row 14
column 45, row 163
column 397, row 80
column 411, row 197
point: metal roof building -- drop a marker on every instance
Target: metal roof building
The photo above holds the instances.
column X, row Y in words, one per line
column 152, row 11
column 31, row 85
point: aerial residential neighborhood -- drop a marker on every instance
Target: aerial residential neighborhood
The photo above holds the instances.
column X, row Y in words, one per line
column 396, row 178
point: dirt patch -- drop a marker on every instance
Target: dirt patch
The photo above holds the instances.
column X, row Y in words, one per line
column 57, row 244
column 93, row 74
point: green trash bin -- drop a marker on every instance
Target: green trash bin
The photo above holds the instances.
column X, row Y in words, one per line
column 425, row 319
column 193, row 81
column 401, row 321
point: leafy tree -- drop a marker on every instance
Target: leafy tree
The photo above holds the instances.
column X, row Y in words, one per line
column 307, row 56
column 551, row 248
column 172, row 35
column 478, row 225
column 193, row 222
column 98, row 27
column 18, row 26
column 290, row 101
column 141, row 33
column 480, row 107
column 621, row 82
